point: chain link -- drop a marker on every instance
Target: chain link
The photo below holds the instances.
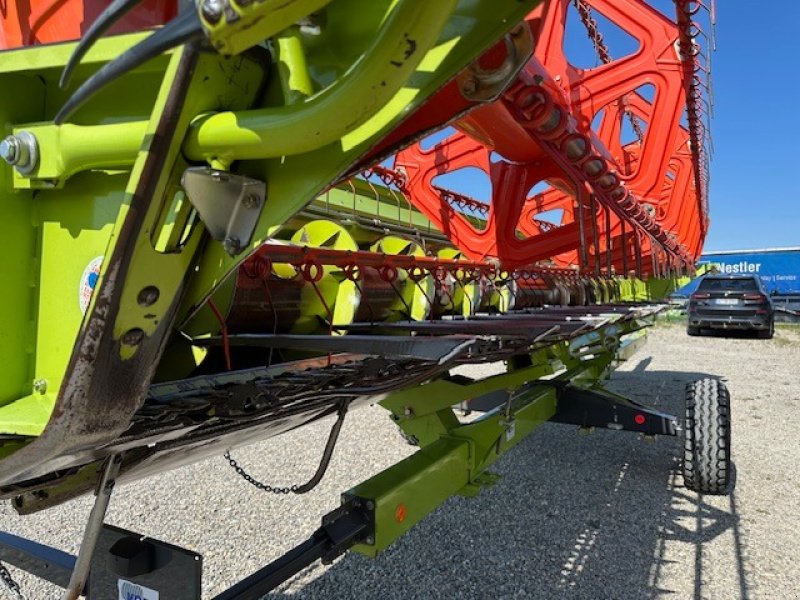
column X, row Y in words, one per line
column 265, row 487
column 321, row 468
column 585, row 13
column 11, row 585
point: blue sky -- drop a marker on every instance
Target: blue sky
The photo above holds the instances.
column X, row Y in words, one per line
column 755, row 169
column 755, row 190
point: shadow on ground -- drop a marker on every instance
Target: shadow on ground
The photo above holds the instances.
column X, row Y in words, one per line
column 572, row 517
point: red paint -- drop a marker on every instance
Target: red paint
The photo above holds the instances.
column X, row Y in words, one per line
column 36, row 22
column 541, row 124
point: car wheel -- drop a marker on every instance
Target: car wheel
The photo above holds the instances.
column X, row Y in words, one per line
column 767, row 334
column 707, row 465
column 692, row 330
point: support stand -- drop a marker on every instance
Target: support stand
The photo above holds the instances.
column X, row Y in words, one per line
column 126, row 565
column 102, row 497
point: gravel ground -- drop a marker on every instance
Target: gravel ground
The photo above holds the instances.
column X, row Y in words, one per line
column 600, row 516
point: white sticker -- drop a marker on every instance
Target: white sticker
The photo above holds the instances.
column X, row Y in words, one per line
column 88, row 282
column 511, row 431
column 133, row 591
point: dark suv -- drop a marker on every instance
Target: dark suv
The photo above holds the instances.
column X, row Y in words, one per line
column 731, row 302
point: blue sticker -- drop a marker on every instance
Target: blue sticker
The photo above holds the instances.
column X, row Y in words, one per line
column 88, row 283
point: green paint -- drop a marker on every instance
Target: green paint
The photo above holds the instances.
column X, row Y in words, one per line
column 112, row 147
column 454, row 457
column 255, row 21
column 346, row 105
column 292, row 66
column 57, row 231
column 295, row 180
column 51, row 236
column 90, row 168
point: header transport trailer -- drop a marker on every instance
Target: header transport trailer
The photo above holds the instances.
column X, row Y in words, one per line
column 220, row 225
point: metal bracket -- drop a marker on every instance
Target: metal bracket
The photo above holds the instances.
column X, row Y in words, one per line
column 42, row 561
column 228, row 204
column 480, row 84
column 590, row 408
column 351, row 523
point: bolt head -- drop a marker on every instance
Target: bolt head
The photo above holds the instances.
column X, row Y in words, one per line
column 40, row 386
column 469, row 87
column 9, row 150
column 232, row 246
column 370, row 540
column 148, row 296
column 212, row 10
column 251, row 201
column 133, row 337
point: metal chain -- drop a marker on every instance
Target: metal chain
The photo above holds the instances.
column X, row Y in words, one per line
column 255, row 482
column 585, row 13
column 11, row 585
column 321, row 468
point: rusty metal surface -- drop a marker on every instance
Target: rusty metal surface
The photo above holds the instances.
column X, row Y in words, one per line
column 187, row 420
column 101, row 392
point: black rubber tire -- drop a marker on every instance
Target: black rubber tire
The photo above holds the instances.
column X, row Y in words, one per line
column 707, row 466
column 692, row 330
column 767, row 334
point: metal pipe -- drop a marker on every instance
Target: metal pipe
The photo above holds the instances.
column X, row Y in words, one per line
column 637, row 246
column 607, row 212
column 624, row 248
column 68, row 149
column 368, row 85
column 334, row 112
column 595, row 234
column 656, row 267
column 584, row 252
column 93, row 526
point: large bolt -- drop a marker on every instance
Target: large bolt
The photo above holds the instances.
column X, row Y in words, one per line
column 212, row 10
column 21, row 150
column 9, row 150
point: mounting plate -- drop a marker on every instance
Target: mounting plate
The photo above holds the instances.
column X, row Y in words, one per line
column 228, row 204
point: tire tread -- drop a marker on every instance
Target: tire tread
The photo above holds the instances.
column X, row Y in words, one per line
column 707, row 437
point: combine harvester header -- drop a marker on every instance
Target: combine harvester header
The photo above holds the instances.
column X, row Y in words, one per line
column 222, row 225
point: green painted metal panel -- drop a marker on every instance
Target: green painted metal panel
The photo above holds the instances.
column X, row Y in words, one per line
column 403, row 494
column 413, row 488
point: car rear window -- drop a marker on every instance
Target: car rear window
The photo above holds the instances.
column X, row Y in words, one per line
column 745, row 284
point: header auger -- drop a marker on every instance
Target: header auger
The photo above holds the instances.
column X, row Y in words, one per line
column 226, row 228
